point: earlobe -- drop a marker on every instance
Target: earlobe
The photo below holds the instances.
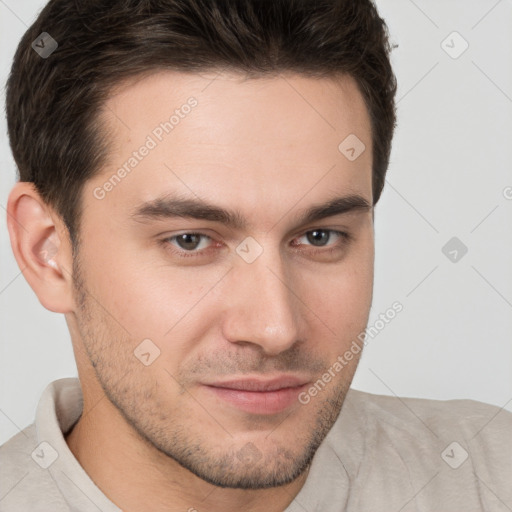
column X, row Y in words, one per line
column 41, row 246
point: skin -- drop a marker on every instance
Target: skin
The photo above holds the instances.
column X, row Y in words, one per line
column 153, row 437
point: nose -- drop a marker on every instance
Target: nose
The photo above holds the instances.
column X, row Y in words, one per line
column 263, row 307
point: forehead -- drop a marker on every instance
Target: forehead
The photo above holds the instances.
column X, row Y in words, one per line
column 216, row 134
column 325, row 104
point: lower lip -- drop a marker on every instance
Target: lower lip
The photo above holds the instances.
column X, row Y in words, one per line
column 259, row 402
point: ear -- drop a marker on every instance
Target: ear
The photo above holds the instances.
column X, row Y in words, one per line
column 41, row 245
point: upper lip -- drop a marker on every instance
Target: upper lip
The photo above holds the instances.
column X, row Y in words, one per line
column 259, row 384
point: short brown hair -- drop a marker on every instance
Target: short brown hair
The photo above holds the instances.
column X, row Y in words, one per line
column 53, row 103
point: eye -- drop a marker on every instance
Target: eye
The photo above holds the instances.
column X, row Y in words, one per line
column 189, row 242
column 322, row 237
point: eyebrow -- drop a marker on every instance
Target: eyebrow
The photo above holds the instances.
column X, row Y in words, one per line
column 171, row 206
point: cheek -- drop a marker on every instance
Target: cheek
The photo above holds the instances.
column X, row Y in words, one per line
column 150, row 300
column 119, row 285
column 344, row 291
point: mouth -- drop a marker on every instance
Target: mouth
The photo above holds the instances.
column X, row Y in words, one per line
column 259, row 396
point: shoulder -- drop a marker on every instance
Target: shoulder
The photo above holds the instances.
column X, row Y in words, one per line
column 469, row 418
column 458, row 452
column 16, row 456
column 23, row 482
column 481, row 429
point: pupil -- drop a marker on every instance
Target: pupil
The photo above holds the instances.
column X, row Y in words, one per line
column 318, row 235
column 188, row 240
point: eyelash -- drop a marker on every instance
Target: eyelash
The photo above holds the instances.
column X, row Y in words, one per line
column 345, row 239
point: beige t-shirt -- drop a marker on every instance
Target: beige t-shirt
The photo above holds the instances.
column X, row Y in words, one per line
column 383, row 454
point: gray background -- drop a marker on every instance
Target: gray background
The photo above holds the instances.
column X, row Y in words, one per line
column 449, row 173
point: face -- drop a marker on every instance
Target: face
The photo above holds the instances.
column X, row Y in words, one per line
column 210, row 305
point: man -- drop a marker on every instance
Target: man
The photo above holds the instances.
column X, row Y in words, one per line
column 197, row 183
